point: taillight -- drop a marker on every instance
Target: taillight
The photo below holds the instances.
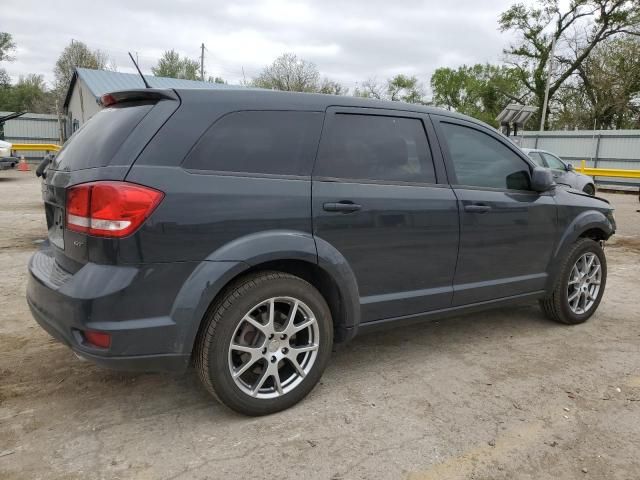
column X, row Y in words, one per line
column 107, row 100
column 110, row 209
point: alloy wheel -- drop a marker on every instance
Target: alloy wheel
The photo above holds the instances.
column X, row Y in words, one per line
column 274, row 347
column 584, row 283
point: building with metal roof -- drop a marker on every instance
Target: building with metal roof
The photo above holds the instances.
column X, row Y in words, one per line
column 87, row 86
column 31, row 128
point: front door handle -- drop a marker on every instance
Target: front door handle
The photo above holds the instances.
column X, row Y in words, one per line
column 343, row 206
column 477, row 208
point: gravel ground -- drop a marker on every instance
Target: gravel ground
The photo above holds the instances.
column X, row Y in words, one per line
column 497, row 395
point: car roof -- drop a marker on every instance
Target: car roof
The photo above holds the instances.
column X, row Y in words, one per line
column 528, row 150
column 275, row 99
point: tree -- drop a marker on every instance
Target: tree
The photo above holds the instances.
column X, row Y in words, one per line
column 480, row 91
column 7, row 45
column 577, row 30
column 603, row 93
column 172, row 65
column 292, row 74
column 405, row 89
column 5, row 79
column 400, row 88
column 289, row 73
column 370, row 89
column 29, row 94
column 75, row 55
column 331, row 87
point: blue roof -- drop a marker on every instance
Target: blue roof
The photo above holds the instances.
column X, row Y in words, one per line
column 100, row 82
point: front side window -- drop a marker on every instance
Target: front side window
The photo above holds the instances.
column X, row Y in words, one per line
column 379, row 148
column 271, row 142
column 480, row 160
column 553, row 161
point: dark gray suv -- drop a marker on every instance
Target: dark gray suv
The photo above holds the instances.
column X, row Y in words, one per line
column 247, row 231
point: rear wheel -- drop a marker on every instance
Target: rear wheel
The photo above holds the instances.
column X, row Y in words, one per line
column 266, row 343
column 580, row 284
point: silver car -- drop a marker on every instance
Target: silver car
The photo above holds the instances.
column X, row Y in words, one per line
column 563, row 173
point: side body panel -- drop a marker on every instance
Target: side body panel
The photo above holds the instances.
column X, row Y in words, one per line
column 401, row 244
column 507, row 237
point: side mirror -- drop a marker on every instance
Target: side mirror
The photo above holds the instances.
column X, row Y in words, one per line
column 570, row 167
column 542, row 180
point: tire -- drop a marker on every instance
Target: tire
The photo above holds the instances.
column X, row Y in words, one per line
column 559, row 305
column 589, row 189
column 240, row 317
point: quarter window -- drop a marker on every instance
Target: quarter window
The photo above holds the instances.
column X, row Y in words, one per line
column 480, row 160
column 370, row 147
column 274, row 142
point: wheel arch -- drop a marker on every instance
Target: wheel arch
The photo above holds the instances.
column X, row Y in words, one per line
column 326, row 284
column 285, row 251
column 591, row 224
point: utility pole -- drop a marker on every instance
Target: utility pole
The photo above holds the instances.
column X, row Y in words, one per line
column 202, row 62
column 546, row 91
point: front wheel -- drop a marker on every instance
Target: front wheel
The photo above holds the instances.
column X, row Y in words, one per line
column 265, row 343
column 580, row 284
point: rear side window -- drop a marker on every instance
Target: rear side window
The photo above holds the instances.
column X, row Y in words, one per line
column 97, row 141
column 274, row 142
column 370, row 147
column 482, row 161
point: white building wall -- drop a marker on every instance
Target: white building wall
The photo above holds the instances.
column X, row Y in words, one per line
column 82, row 106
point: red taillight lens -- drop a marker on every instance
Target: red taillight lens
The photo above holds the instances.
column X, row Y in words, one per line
column 110, row 209
column 108, row 100
column 98, row 339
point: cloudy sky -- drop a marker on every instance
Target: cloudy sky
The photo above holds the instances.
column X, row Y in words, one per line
column 350, row 41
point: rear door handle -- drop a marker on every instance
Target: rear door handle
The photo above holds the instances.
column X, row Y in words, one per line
column 477, row 208
column 344, row 207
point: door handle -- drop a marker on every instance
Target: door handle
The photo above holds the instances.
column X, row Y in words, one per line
column 343, row 206
column 477, row 208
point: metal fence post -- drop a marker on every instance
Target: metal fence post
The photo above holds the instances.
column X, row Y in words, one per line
column 595, row 159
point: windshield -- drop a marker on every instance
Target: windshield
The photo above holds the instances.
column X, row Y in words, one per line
column 553, row 161
column 537, row 159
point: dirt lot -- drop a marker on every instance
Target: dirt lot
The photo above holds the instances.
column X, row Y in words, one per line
column 499, row 395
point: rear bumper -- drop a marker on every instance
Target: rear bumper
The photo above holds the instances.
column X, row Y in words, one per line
column 170, row 362
column 134, row 304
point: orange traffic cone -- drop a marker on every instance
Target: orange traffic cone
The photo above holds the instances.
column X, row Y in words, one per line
column 23, row 166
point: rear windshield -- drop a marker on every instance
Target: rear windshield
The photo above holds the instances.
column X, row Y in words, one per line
column 97, row 141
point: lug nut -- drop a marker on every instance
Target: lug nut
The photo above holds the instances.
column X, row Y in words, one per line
column 264, row 350
column 283, row 336
column 270, row 336
column 285, row 350
column 273, row 359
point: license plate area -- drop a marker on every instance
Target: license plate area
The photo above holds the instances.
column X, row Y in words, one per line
column 55, row 224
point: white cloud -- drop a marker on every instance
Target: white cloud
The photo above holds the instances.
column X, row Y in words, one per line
column 350, row 41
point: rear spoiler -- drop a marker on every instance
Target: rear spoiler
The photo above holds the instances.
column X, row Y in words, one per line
column 112, row 98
